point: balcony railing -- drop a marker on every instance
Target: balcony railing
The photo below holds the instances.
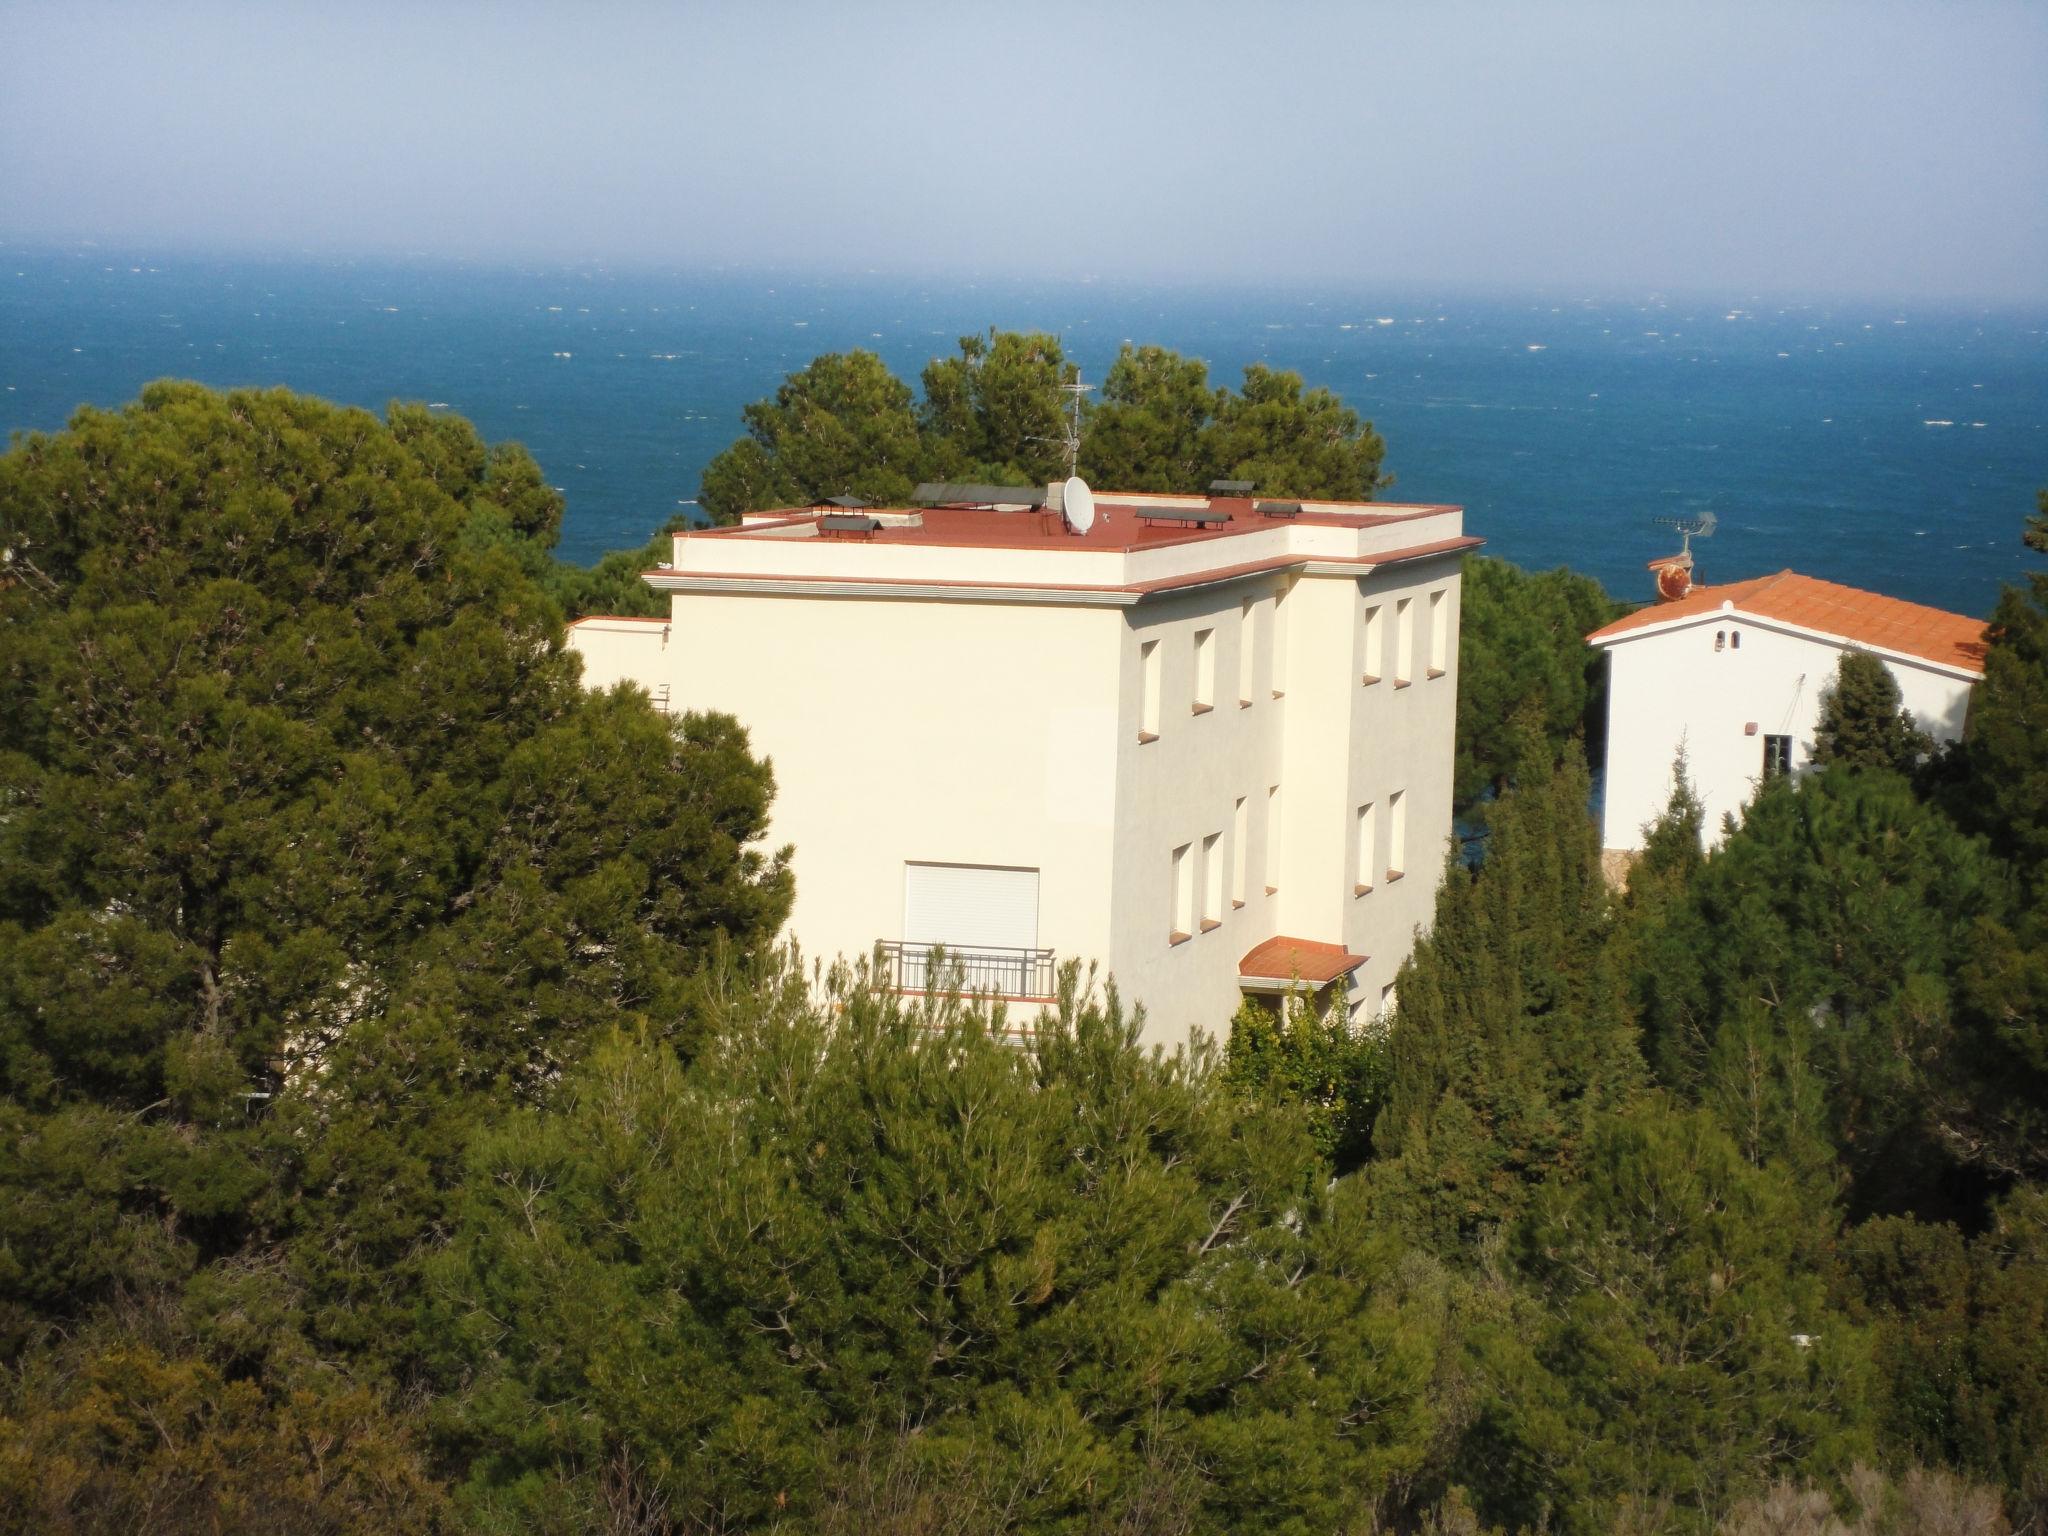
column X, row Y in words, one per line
column 1020, row 973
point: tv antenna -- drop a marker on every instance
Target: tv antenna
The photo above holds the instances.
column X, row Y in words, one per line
column 1690, row 528
column 1070, row 438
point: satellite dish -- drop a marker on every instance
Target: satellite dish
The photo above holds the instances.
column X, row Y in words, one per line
column 1080, row 504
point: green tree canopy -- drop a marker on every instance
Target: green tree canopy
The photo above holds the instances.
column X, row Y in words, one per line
column 308, row 809
column 1523, row 658
column 1861, row 723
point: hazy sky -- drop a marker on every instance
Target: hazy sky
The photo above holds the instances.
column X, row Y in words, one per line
column 1813, row 148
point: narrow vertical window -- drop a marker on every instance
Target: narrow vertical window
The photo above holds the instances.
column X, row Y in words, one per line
column 1205, row 671
column 1247, row 653
column 1212, row 881
column 1397, row 833
column 1388, row 1001
column 1366, row 873
column 1404, row 644
column 1375, row 644
column 1777, row 756
column 1273, row 839
column 1439, row 633
column 1720, row 639
column 1279, row 642
column 1148, row 691
column 1183, row 895
column 1240, row 851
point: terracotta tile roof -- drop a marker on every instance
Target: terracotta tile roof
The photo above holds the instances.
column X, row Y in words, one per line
column 1844, row 613
column 1285, row 959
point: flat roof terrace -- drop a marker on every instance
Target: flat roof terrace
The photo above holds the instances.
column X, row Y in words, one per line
column 1139, row 545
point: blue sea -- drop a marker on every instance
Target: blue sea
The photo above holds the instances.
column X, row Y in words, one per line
column 1896, row 447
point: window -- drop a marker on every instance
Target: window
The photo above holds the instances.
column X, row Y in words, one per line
column 1777, row 756
column 1734, row 639
column 1279, row 642
column 1366, row 873
column 1404, row 645
column 1374, row 644
column 1148, row 691
column 1240, row 838
column 1212, row 882
column 1183, row 896
column 1273, row 839
column 1439, row 633
column 985, row 918
column 1720, row 639
column 1388, row 1002
column 1205, row 671
column 1397, row 833
column 1247, row 654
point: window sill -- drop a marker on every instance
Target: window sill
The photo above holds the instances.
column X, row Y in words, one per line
column 1237, row 906
column 1279, row 693
column 1244, row 703
column 1146, row 738
column 1369, row 679
column 1272, row 890
column 1393, row 875
column 1361, row 890
column 1402, row 682
column 1177, row 938
column 1202, row 709
column 1210, row 924
column 1434, row 672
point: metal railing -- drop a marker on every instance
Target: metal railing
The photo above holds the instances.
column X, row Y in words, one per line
column 1021, row 973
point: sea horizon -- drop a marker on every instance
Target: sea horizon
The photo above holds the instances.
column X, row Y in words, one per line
column 1891, row 444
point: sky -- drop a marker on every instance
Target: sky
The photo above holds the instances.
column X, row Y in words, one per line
column 1798, row 148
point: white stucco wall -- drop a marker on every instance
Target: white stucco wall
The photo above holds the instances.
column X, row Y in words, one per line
column 1671, row 686
column 989, row 731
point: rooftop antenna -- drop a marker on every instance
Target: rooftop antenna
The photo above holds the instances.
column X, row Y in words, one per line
column 1070, row 439
column 1701, row 527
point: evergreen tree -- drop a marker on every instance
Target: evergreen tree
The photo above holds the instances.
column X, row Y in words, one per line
column 1861, row 724
column 1522, row 656
column 315, row 845
column 1807, row 985
column 1317, row 1058
column 995, row 414
column 1512, row 1031
column 1687, row 1353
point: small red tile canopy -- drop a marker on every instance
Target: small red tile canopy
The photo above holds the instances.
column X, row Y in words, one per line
column 1283, row 962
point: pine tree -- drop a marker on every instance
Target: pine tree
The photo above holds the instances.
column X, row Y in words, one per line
column 1861, row 723
column 1512, row 1030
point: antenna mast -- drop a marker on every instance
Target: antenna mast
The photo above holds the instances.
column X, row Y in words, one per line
column 1072, row 436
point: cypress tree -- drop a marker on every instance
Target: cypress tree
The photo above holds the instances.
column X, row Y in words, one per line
column 1861, row 724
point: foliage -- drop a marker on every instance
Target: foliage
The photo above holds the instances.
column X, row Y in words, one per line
column 1921, row 1503
column 1524, row 666
column 843, row 425
column 995, row 414
column 853, row 1231
column 1317, row 1058
column 1511, row 1031
column 1861, row 723
column 1686, row 1352
column 1962, row 1333
column 308, row 813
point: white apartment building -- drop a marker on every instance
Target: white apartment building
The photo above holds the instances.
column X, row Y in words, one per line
column 1203, row 742
column 1735, row 673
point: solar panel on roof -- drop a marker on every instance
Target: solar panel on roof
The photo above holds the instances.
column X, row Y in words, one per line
column 1230, row 487
column 943, row 494
column 842, row 523
column 1278, row 508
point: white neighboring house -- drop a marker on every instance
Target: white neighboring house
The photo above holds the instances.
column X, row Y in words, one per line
column 1735, row 674
column 1205, row 742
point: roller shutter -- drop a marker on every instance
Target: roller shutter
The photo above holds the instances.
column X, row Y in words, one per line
column 970, row 906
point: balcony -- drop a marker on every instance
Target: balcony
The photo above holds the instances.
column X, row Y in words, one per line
column 1022, row 974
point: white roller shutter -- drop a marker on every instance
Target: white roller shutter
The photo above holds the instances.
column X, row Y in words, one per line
column 970, row 906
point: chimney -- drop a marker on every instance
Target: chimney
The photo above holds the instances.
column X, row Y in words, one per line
column 1673, row 574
